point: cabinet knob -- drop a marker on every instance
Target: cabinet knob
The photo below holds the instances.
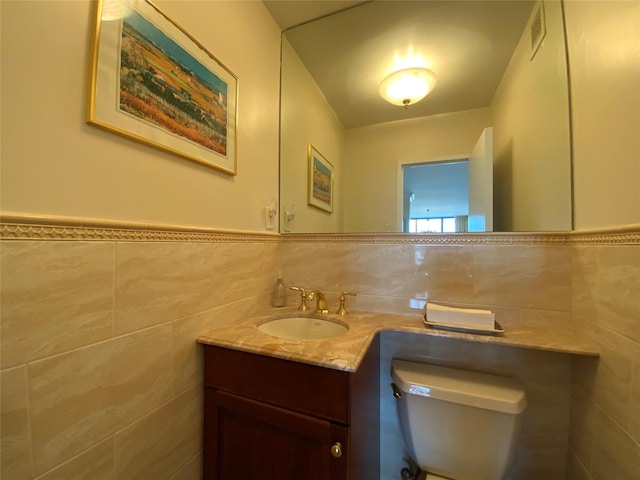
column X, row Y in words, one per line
column 336, row 450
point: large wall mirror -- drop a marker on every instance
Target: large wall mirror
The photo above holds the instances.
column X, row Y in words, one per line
column 501, row 88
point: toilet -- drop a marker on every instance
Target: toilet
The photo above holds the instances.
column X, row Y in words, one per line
column 457, row 425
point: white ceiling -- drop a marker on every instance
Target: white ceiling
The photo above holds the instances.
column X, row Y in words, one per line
column 290, row 13
column 467, row 43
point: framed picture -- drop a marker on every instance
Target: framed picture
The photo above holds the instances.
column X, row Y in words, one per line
column 320, row 181
column 153, row 82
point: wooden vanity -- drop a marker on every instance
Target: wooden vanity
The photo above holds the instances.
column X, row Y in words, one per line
column 274, row 419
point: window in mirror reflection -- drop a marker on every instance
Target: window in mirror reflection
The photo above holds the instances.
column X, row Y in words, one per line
column 433, row 225
column 436, row 196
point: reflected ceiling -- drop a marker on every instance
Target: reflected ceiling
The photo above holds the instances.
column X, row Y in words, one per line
column 465, row 43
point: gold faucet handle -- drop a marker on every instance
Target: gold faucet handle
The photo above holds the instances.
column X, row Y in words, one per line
column 304, row 296
column 343, row 298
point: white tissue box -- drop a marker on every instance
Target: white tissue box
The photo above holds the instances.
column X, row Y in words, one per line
column 471, row 317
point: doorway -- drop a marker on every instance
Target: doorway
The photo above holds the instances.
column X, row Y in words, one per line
column 450, row 195
column 435, row 196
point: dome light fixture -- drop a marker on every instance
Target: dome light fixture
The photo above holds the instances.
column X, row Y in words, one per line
column 407, row 86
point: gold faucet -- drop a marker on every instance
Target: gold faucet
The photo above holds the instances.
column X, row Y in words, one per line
column 304, row 296
column 321, row 302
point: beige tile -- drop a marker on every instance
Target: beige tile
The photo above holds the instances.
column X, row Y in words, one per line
column 56, row 296
column 585, row 369
column 528, row 318
column 305, row 265
column 615, row 454
column 545, row 426
column 380, row 303
column 158, row 282
column 15, row 451
column 366, row 268
column 634, row 414
column 238, row 272
column 272, row 259
column 96, row 463
column 619, row 284
column 439, row 273
column 581, row 423
column 523, row 276
column 584, row 282
column 176, row 430
column 331, row 268
column 318, row 266
column 79, row 398
column 612, row 383
column 187, row 356
column 575, row 469
column 192, row 470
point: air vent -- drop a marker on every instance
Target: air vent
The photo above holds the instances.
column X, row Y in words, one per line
column 537, row 28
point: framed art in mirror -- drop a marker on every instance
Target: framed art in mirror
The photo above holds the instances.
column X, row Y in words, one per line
column 153, row 82
column 320, row 181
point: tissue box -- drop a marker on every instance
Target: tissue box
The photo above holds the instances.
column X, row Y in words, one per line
column 469, row 317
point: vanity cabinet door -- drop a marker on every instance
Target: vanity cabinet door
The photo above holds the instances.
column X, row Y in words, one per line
column 251, row 440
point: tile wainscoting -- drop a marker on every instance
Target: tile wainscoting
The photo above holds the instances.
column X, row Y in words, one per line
column 99, row 321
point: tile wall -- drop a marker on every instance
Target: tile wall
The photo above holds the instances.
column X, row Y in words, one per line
column 520, row 282
column 605, row 394
column 584, row 429
column 101, row 377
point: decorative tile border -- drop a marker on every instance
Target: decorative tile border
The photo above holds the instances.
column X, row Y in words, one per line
column 31, row 227
column 628, row 235
column 21, row 227
column 435, row 239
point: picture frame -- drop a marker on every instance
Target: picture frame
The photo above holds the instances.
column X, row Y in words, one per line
column 320, row 181
column 152, row 82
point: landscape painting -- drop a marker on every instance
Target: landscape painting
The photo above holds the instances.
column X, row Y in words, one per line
column 320, row 181
column 168, row 90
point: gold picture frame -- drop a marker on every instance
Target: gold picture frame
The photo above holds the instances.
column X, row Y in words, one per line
column 151, row 81
column 320, row 181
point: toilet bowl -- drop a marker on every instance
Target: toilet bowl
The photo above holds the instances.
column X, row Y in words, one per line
column 457, row 425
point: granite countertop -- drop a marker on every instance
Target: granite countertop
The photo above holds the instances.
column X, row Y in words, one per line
column 344, row 352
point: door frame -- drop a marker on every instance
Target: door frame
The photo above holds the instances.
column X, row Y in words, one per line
column 400, row 164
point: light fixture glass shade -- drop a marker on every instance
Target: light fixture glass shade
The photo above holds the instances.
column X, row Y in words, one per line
column 407, row 86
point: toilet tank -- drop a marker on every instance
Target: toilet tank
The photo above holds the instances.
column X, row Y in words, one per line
column 458, row 424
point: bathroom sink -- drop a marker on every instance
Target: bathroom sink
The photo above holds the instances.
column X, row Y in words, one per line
column 303, row 328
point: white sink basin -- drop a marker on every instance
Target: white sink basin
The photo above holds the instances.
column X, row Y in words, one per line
column 304, row 328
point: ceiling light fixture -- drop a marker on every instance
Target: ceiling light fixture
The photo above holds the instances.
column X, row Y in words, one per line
column 407, row 86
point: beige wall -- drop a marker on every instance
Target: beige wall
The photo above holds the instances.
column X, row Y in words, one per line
column 376, row 152
column 530, row 112
column 77, row 315
column 66, row 167
column 306, row 119
column 604, row 55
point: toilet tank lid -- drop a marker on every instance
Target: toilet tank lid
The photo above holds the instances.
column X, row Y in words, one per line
column 475, row 389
